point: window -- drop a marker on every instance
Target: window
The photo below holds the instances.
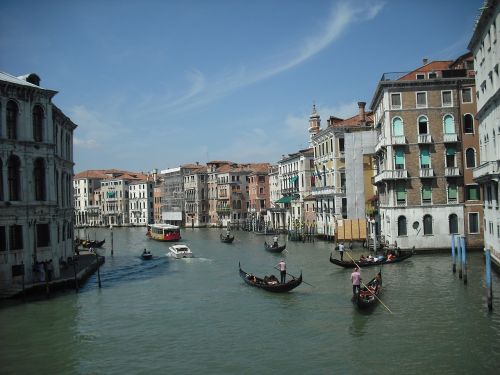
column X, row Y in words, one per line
column 14, row 178
column 468, row 124
column 472, row 192
column 402, row 226
column 449, row 124
column 423, row 125
column 420, row 76
column 396, row 101
column 42, row 235
column 397, row 127
column 467, row 95
column 3, row 239
column 427, row 225
column 426, row 193
column 12, row 111
column 341, row 145
column 473, row 222
column 37, row 123
column 453, row 223
column 401, row 195
column 447, row 99
column 450, row 156
column 452, row 193
column 470, row 158
column 39, row 179
column 425, row 159
column 399, row 159
column 432, row 75
column 16, row 237
column 421, row 99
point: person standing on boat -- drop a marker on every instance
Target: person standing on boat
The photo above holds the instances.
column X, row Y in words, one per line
column 341, row 251
column 282, row 267
column 275, row 241
column 356, row 280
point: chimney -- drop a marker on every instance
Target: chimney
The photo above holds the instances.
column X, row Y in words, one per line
column 362, row 117
column 425, row 61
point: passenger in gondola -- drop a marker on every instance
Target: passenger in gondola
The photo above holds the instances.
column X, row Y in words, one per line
column 228, row 234
column 362, row 258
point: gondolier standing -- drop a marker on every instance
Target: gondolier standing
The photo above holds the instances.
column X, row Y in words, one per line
column 341, row 251
column 282, row 267
column 356, row 280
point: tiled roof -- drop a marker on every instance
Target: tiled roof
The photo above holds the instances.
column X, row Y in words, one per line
column 433, row 66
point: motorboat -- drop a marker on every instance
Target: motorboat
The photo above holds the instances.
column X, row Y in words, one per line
column 146, row 255
column 180, row 251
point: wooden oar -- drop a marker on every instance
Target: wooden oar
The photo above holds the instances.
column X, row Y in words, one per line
column 368, row 289
column 295, row 277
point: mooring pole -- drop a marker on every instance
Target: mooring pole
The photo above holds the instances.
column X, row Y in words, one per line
column 459, row 256
column 75, row 259
column 489, row 289
column 111, row 227
column 454, row 266
column 98, row 273
column 464, row 259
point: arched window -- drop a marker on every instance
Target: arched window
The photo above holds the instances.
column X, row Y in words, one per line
column 397, row 127
column 468, row 124
column 14, row 178
column 423, row 125
column 402, row 226
column 453, row 223
column 39, row 179
column 427, row 225
column 12, row 112
column 470, row 158
column 37, row 123
column 449, row 124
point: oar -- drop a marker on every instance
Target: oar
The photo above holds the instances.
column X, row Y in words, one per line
column 368, row 289
column 295, row 277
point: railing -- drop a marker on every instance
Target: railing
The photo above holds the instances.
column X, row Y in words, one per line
column 395, row 174
column 450, row 138
column 485, row 169
column 426, row 172
column 399, row 140
column 424, row 138
column 451, row 171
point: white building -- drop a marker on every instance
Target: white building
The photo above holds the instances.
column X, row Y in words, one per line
column 141, row 202
column 36, row 169
column 485, row 46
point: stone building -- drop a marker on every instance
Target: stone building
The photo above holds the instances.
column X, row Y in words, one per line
column 36, row 170
column 196, row 196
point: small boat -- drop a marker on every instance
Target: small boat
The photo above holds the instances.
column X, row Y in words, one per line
column 273, row 248
column 367, row 263
column 146, row 255
column 180, row 251
column 368, row 293
column 270, row 284
column 88, row 244
column 227, row 238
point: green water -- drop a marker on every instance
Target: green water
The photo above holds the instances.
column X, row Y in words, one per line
column 196, row 316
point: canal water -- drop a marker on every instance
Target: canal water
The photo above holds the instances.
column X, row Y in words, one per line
column 196, row 316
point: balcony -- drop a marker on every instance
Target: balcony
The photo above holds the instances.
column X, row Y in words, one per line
column 452, row 172
column 223, row 209
column 487, row 171
column 450, row 138
column 399, row 140
column 380, row 144
column 325, row 191
column 424, row 139
column 426, row 172
column 396, row 174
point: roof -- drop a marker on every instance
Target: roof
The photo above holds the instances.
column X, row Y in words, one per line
column 110, row 174
column 433, row 66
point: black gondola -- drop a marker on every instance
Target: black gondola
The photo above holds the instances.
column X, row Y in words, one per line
column 275, row 287
column 368, row 297
column 94, row 244
column 226, row 239
column 364, row 263
column 274, row 249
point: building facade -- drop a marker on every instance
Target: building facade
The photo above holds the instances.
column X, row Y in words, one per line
column 36, row 170
column 196, row 196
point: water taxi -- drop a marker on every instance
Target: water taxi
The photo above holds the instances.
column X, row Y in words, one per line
column 180, row 251
column 164, row 232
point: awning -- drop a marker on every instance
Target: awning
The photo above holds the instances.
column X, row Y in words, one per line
column 284, row 199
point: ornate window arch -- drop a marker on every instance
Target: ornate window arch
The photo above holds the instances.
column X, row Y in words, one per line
column 14, row 178
column 38, row 117
column 12, row 115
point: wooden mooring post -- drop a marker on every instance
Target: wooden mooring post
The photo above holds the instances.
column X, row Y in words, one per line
column 489, row 289
column 98, row 266
column 464, row 259
column 459, row 256
column 454, row 265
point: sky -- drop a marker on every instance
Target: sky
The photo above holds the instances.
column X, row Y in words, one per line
column 156, row 84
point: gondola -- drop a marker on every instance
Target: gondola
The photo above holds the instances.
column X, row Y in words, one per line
column 368, row 297
column 273, row 249
column 275, row 287
column 95, row 244
column 226, row 239
column 364, row 263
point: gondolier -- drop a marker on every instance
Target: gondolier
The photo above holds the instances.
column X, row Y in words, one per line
column 356, row 280
column 282, row 267
column 341, row 251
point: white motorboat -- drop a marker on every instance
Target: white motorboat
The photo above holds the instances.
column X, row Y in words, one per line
column 180, row 251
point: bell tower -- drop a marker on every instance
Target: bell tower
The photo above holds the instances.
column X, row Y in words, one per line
column 314, row 124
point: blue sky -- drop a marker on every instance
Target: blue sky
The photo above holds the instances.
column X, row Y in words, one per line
column 155, row 84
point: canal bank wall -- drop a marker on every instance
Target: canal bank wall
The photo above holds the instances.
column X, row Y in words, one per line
column 72, row 276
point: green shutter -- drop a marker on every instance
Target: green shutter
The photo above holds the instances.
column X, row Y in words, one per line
column 452, row 191
column 397, row 127
column 400, row 156
column 449, row 125
column 450, row 151
column 426, row 192
column 400, row 192
column 473, row 193
column 424, row 157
